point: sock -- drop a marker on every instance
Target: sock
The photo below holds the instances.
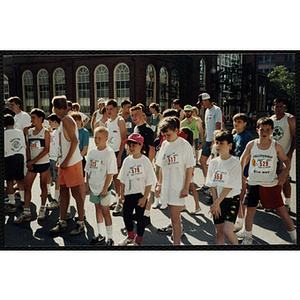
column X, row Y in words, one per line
column 147, row 213
column 156, row 200
column 101, row 228
column 109, row 230
column 22, row 195
column 42, row 208
column 49, row 189
column 138, row 239
column 80, row 222
column 56, row 197
column 240, row 221
column 204, row 179
column 130, row 234
column 248, row 234
column 287, row 201
column 69, row 209
column 27, row 211
column 12, row 199
column 293, row 234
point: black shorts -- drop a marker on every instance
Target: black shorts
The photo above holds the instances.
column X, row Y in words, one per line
column 229, row 210
column 41, row 168
column 14, row 167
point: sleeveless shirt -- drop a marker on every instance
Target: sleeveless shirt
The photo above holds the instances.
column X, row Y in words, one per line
column 114, row 134
column 37, row 145
column 193, row 126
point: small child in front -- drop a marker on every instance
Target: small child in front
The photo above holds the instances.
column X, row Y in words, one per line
column 176, row 162
column 225, row 180
column 101, row 165
column 137, row 177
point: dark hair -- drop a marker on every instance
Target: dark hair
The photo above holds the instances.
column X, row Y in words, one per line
column 76, row 106
column 170, row 112
column 137, row 107
column 9, row 120
column 103, row 110
column 240, row 116
column 69, row 103
column 112, row 102
column 189, row 135
column 76, row 116
column 155, row 106
column 225, row 135
column 39, row 112
column 15, row 99
column 143, row 150
column 171, row 123
column 278, row 100
column 124, row 102
column 53, row 117
column 59, row 102
column 264, row 121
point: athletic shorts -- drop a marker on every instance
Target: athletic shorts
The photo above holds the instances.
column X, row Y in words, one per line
column 104, row 201
column 41, row 168
column 53, row 172
column 14, row 167
column 71, row 176
column 196, row 142
column 206, row 149
column 270, row 197
column 122, row 157
column 229, row 210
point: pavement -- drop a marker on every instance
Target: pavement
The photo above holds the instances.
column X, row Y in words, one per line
column 199, row 229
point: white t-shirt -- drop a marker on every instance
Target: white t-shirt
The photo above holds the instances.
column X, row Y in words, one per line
column 14, row 142
column 225, row 174
column 54, row 145
column 22, row 120
column 174, row 158
column 136, row 174
column 98, row 165
column 212, row 116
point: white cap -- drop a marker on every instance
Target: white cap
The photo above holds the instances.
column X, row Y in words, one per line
column 203, row 96
column 101, row 100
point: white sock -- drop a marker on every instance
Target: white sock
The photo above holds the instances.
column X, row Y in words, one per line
column 12, row 199
column 147, row 213
column 293, row 234
column 248, row 234
column 56, row 197
column 156, row 200
column 287, row 201
column 240, row 221
column 27, row 211
column 22, row 195
column 109, row 230
column 49, row 189
column 69, row 209
column 204, row 180
column 101, row 228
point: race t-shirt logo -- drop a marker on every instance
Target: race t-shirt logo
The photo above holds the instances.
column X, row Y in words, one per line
column 277, row 133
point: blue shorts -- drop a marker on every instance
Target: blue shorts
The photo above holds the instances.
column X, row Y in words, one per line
column 53, row 172
column 206, row 149
column 104, row 201
column 122, row 157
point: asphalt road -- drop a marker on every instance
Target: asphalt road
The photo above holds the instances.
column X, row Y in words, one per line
column 199, row 230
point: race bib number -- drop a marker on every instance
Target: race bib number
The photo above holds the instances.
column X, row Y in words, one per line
column 172, row 159
column 220, row 176
column 110, row 140
column 128, row 125
column 94, row 164
column 153, row 127
column 35, row 144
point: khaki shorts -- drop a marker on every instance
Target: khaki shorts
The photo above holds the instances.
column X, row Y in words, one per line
column 71, row 176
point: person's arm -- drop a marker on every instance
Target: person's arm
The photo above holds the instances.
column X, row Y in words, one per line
column 199, row 125
column 215, row 208
column 122, row 189
column 87, row 186
column 245, row 157
column 142, row 201
column 151, row 153
column 45, row 150
column 107, row 182
column 122, row 126
column 159, row 182
column 218, row 125
column 188, row 176
column 286, row 164
column 292, row 123
column 93, row 120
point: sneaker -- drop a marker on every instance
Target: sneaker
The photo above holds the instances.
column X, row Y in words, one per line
column 164, row 206
column 49, row 197
column 23, row 217
column 203, row 188
column 237, row 227
column 259, row 205
column 294, row 241
column 196, row 211
column 69, row 216
column 247, row 241
column 207, row 192
column 79, row 228
column 113, row 206
column 240, row 234
column 118, row 210
column 147, row 221
column 61, row 226
column 10, row 208
column 53, row 205
column 165, row 230
column 126, row 242
column 156, row 203
column 21, row 204
column 42, row 214
column 97, row 240
column 109, row 242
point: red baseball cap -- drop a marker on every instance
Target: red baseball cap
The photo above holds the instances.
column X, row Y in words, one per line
column 135, row 137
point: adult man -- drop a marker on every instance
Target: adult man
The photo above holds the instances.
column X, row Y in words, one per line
column 180, row 112
column 22, row 119
column 97, row 114
column 213, row 121
column 70, row 167
column 285, row 134
column 146, row 132
column 194, row 124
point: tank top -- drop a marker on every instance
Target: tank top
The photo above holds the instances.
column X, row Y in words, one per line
column 114, row 134
column 98, row 115
column 154, row 122
column 193, row 126
column 65, row 147
column 37, row 145
column 262, row 167
column 282, row 133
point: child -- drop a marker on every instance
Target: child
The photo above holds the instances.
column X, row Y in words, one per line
column 156, row 117
column 190, row 139
column 14, row 156
column 54, row 122
column 101, row 165
column 176, row 162
column 225, row 180
column 137, row 177
column 38, row 141
column 263, row 183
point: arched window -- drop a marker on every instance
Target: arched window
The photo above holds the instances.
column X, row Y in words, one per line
column 5, row 87
column 101, row 83
column 121, row 83
column 28, row 93
column 202, row 75
column 150, row 85
column 83, row 88
column 163, row 88
column 59, row 82
column 174, row 85
column 43, row 90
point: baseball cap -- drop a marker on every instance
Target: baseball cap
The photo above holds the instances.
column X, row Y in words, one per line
column 188, row 107
column 101, row 100
column 135, row 137
column 203, row 96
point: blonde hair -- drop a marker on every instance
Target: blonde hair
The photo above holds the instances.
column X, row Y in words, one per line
column 101, row 129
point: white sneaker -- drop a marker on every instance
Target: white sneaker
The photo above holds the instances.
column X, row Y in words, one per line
column 240, row 234
column 237, row 227
column 156, row 203
column 127, row 242
column 196, row 211
column 247, row 241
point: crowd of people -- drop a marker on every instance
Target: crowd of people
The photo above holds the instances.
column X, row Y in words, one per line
column 148, row 165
